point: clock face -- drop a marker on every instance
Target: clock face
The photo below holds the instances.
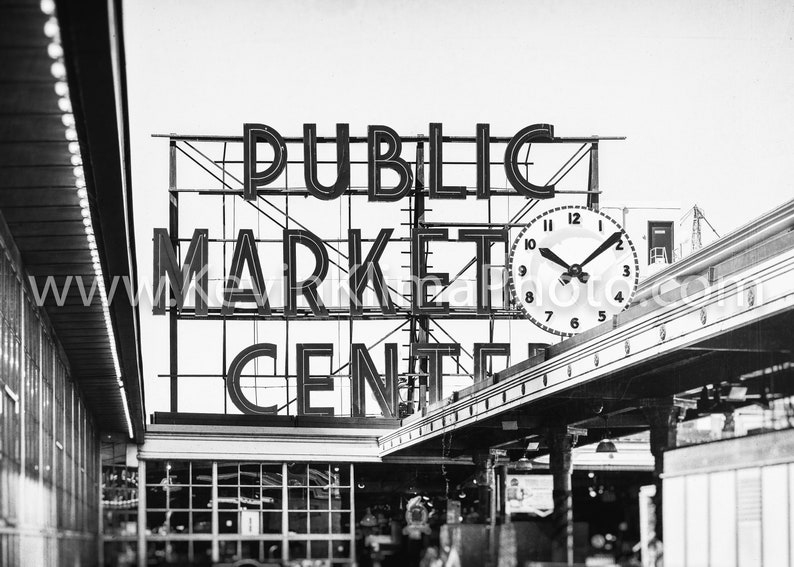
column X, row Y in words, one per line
column 572, row 268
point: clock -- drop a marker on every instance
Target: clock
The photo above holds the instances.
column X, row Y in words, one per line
column 572, row 268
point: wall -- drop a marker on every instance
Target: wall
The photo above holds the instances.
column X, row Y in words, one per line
column 48, row 444
column 729, row 503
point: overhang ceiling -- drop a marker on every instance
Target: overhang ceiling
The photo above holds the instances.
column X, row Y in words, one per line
column 38, row 197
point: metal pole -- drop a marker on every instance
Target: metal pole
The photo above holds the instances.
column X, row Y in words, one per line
column 142, row 513
column 560, row 443
column 173, row 228
column 592, row 182
column 215, row 551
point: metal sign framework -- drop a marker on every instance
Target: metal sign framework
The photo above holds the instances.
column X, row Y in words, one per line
column 210, row 155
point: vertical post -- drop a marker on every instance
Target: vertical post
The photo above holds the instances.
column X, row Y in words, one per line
column 285, row 515
column 98, row 466
column 214, row 550
column 560, row 444
column 142, row 513
column 352, row 512
column 173, row 229
column 419, row 324
column 663, row 421
column 23, row 409
column 592, row 180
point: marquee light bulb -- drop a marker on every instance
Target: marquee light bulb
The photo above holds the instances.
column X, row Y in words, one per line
column 54, row 50
column 78, row 171
column 82, row 193
column 79, row 183
column 68, row 119
column 71, row 134
column 77, row 160
column 74, row 148
column 61, row 88
column 47, row 7
column 51, row 29
column 58, row 70
column 64, row 104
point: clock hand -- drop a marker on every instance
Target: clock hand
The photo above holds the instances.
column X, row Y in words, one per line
column 568, row 274
column 549, row 255
column 611, row 241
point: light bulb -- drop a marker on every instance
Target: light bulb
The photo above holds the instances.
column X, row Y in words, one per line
column 47, row 7
column 54, row 50
column 58, row 70
column 51, row 28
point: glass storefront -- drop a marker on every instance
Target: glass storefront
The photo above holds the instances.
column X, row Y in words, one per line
column 48, row 443
column 197, row 511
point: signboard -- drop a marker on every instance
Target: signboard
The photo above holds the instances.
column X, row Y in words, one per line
column 284, row 276
column 529, row 494
column 250, row 522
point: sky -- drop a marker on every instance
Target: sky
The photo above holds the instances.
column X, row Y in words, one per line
column 701, row 91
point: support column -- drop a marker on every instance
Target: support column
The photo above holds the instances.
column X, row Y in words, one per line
column 663, row 421
column 142, row 514
column 560, row 444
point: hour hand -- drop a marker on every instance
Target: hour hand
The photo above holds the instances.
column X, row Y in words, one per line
column 549, row 255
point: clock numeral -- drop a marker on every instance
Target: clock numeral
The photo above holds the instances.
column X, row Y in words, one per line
column 548, row 315
column 529, row 297
column 619, row 245
column 529, row 244
column 547, row 226
column 619, row 296
column 626, row 271
column 522, row 270
column 602, row 316
column 600, row 226
column 573, row 218
column 575, row 323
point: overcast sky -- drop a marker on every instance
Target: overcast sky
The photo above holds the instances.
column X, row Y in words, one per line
column 702, row 91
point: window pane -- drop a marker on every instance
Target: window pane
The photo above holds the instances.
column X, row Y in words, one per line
column 298, row 550
column 318, row 522
column 340, row 522
column 296, row 474
column 271, row 522
column 202, row 522
column 319, row 549
column 228, row 474
column 340, row 499
column 228, row 522
column 201, row 473
column 202, row 496
column 297, row 522
column 297, row 499
column 318, row 498
column 249, row 475
column 271, row 498
column 340, row 548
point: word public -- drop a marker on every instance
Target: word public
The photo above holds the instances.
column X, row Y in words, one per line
column 384, row 148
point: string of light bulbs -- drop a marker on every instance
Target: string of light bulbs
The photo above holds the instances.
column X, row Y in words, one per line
column 58, row 70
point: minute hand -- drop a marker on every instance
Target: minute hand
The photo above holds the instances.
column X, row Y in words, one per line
column 612, row 240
